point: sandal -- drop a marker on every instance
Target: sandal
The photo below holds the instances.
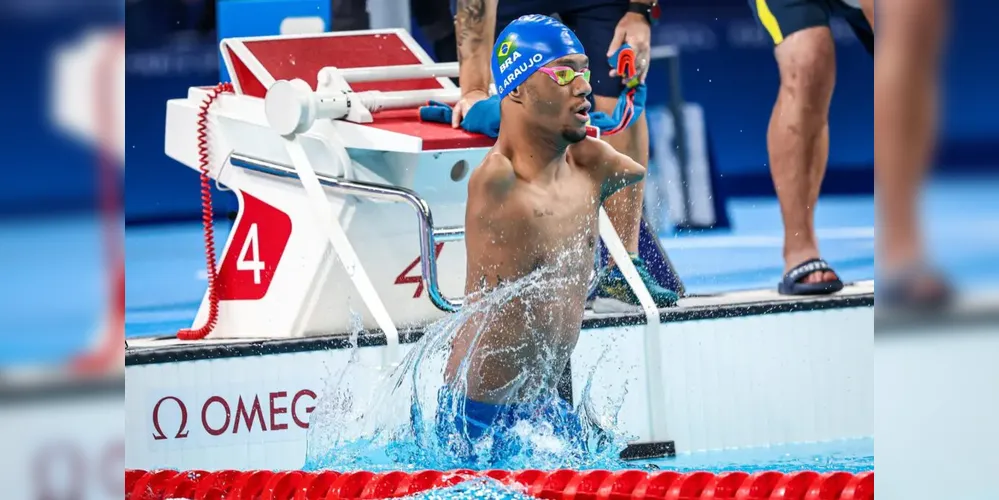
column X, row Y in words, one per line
column 791, row 283
column 915, row 288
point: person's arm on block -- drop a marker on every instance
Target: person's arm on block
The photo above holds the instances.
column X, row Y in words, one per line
column 475, row 28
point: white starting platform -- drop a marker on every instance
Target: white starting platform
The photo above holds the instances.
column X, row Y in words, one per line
column 351, row 213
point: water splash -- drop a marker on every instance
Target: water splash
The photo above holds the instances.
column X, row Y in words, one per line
column 406, row 424
column 475, row 489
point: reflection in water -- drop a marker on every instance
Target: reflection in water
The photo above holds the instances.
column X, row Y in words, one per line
column 407, row 421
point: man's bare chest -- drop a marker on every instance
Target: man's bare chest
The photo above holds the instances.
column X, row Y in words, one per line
column 545, row 222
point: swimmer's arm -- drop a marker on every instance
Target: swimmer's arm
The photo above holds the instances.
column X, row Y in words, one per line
column 613, row 171
column 475, row 27
column 622, row 172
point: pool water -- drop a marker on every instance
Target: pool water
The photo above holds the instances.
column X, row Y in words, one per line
column 854, row 456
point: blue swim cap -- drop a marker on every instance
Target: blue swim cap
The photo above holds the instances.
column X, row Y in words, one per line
column 527, row 44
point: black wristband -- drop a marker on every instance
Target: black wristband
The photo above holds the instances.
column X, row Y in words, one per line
column 645, row 9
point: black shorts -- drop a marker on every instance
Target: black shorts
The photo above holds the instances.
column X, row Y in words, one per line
column 593, row 21
column 782, row 17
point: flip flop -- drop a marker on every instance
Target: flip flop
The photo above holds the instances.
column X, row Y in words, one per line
column 791, row 283
column 902, row 290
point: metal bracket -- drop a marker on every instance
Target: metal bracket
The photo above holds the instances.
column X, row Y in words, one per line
column 429, row 236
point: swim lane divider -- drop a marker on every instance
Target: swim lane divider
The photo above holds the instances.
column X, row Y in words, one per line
column 558, row 484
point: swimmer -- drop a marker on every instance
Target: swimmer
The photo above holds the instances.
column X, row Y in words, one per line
column 533, row 204
column 798, row 135
column 603, row 26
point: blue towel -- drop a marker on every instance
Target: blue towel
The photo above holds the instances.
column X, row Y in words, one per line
column 484, row 116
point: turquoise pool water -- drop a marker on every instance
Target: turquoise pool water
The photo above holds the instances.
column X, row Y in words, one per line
column 855, row 455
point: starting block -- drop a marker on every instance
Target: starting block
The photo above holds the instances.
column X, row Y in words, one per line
column 351, row 208
column 278, row 275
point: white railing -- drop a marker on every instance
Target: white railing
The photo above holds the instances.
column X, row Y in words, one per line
column 406, row 72
column 292, row 106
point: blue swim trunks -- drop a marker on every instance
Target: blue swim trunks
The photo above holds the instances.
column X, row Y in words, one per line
column 462, row 422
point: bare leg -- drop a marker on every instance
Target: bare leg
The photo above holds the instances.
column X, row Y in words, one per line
column 798, row 139
column 624, row 208
column 906, row 88
column 905, row 99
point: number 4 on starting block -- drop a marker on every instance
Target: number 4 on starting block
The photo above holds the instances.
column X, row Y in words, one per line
column 252, row 262
column 261, row 233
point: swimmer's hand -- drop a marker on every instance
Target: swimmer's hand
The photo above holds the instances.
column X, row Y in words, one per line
column 482, row 118
column 634, row 30
column 468, row 99
column 611, row 170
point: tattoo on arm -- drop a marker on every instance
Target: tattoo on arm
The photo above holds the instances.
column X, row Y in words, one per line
column 471, row 13
column 474, row 27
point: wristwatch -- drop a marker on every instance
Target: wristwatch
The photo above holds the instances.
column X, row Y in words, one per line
column 648, row 10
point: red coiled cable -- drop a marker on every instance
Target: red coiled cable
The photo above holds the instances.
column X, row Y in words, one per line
column 207, row 217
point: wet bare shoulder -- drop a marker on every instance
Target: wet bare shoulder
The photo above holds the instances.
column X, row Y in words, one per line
column 494, row 177
column 591, row 154
column 613, row 171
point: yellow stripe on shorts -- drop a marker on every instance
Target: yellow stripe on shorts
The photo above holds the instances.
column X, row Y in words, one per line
column 769, row 21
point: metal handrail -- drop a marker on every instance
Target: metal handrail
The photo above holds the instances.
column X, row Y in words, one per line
column 429, row 236
column 676, row 108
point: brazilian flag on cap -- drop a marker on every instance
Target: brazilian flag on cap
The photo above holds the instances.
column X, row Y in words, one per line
column 503, row 51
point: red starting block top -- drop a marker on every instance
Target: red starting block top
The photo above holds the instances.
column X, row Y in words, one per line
column 256, row 63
